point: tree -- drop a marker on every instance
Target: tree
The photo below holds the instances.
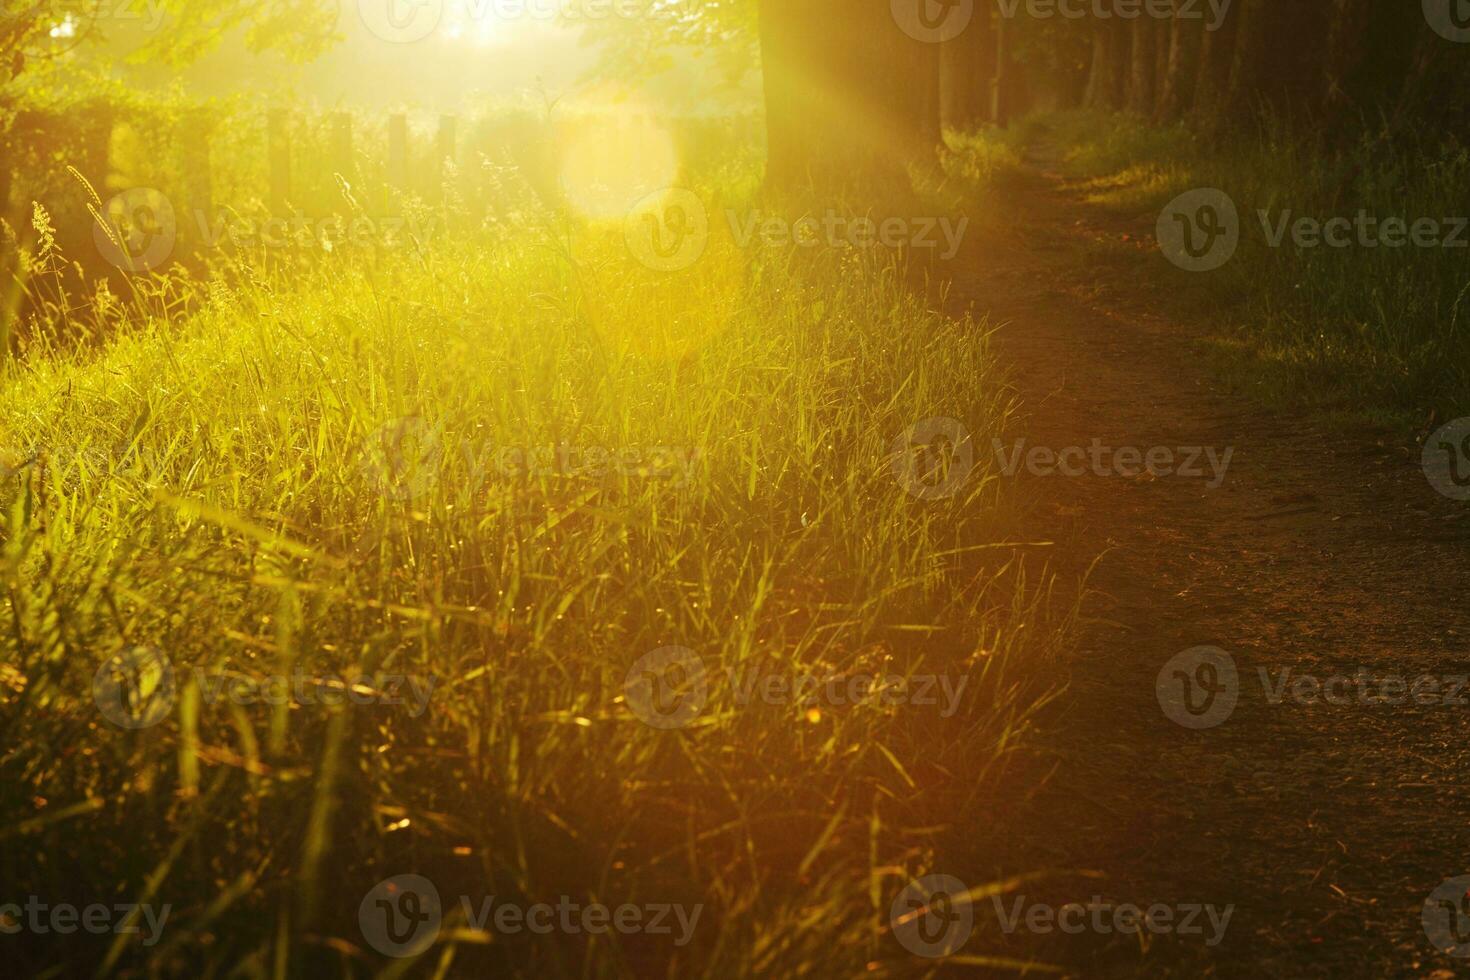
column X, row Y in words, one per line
column 968, row 70
column 36, row 30
column 1176, row 85
column 850, row 98
column 1344, row 51
column 1213, row 78
column 1143, row 64
column 1107, row 75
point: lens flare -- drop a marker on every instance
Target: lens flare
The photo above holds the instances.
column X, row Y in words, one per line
column 610, row 162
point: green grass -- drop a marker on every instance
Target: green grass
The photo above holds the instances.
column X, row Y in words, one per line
column 1367, row 331
column 975, row 160
column 309, row 474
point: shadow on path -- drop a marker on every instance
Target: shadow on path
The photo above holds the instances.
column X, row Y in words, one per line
column 1317, row 551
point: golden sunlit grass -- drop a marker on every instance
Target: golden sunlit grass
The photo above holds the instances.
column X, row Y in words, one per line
column 1134, row 189
column 977, row 159
column 323, row 471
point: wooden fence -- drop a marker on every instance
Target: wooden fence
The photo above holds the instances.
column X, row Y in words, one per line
column 287, row 161
column 298, row 174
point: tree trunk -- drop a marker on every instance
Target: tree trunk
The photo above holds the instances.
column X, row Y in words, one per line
column 1120, row 44
column 1345, row 41
column 1434, row 100
column 1163, row 39
column 1141, row 73
column 968, row 66
column 1217, row 52
column 1177, row 84
column 1246, row 88
column 794, row 91
column 925, row 111
column 1105, row 76
column 850, row 98
column 1374, row 73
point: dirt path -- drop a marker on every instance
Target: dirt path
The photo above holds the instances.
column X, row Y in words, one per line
column 1326, row 826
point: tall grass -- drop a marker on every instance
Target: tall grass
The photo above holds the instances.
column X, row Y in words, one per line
column 322, row 472
column 1381, row 330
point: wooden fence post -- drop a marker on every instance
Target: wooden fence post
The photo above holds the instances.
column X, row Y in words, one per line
column 398, row 152
column 445, row 146
column 340, row 160
column 339, row 145
column 278, row 150
column 445, row 142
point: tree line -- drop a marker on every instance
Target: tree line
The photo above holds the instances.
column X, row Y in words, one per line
column 849, row 95
column 1320, row 62
column 858, row 91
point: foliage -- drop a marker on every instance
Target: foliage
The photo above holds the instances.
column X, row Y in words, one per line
column 48, row 33
column 722, row 31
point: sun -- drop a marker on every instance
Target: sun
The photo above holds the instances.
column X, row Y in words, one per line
column 477, row 25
